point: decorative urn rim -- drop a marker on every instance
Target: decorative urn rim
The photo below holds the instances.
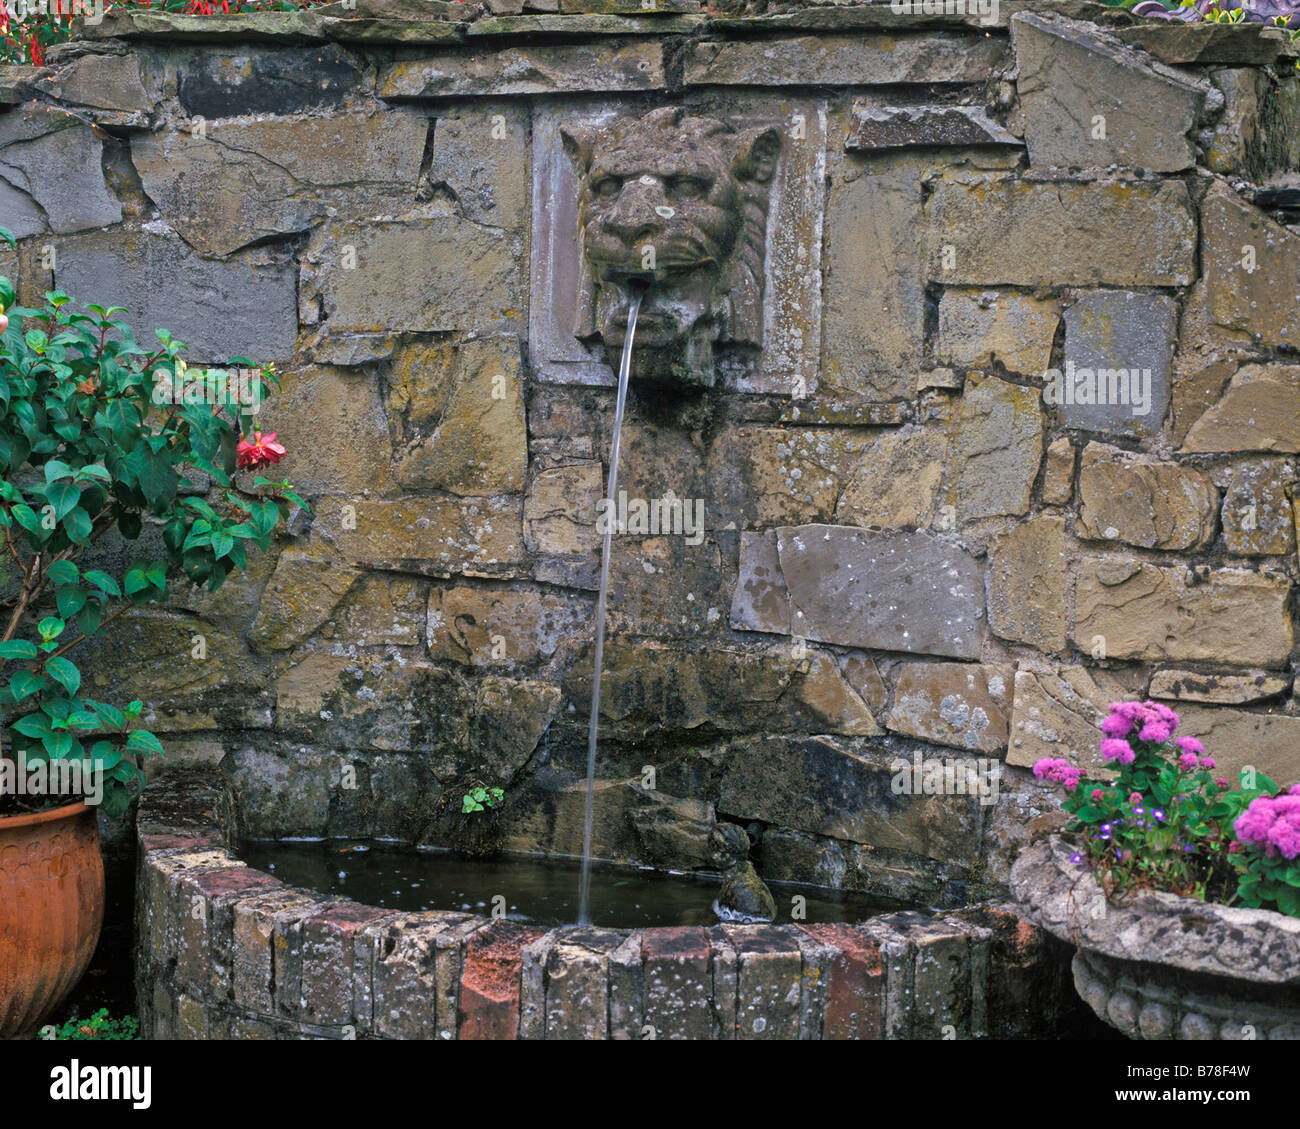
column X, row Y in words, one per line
column 1240, row 943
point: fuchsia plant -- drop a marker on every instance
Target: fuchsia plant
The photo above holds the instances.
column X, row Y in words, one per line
column 1168, row 822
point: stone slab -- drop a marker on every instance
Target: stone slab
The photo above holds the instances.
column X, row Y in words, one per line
column 991, row 229
column 245, row 306
column 858, row 587
column 841, row 60
column 551, row 68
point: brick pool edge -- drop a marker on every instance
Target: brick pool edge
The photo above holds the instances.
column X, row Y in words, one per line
column 227, row 951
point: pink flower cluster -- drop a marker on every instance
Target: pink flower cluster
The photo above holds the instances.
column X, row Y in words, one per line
column 1153, row 721
column 1272, row 822
column 1059, row 771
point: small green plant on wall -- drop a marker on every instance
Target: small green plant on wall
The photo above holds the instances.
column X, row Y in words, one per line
column 98, row 1027
column 480, row 799
column 99, row 434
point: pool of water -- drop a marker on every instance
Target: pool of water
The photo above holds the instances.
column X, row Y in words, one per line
column 540, row 891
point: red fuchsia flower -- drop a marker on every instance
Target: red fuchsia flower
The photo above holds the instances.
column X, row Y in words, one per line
column 1221, row 783
column 262, row 451
column 1113, row 749
column 1233, row 847
column 1135, row 797
column 1098, row 795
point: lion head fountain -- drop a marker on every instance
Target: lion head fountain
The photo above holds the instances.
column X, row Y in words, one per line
column 674, row 206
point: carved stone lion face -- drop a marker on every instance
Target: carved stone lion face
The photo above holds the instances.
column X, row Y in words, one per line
column 674, row 207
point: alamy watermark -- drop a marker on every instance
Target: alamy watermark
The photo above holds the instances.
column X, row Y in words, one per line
column 1099, row 386
column 19, row 10
column 218, row 387
column 36, row 776
column 682, row 517
column 985, row 10
column 947, row 776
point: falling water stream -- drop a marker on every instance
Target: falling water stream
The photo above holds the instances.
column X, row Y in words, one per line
column 611, row 493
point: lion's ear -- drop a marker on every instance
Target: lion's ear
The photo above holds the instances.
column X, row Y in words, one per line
column 577, row 144
column 757, row 152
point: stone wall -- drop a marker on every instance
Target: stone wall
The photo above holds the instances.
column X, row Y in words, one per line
column 915, row 541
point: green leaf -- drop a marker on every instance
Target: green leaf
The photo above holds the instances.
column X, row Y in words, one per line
column 33, row 725
column 58, row 745
column 24, row 683
column 65, row 674
column 62, row 572
column 70, row 600
column 155, row 474
column 144, row 742
column 103, row 581
column 136, row 581
column 26, row 517
column 50, row 627
column 106, row 755
column 111, row 716
column 125, row 772
column 1288, row 900
column 78, row 526
column 18, row 649
column 89, row 619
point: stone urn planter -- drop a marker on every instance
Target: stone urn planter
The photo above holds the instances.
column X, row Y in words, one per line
column 1164, row 966
column 51, row 910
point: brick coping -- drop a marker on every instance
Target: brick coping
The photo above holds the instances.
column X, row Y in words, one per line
column 228, row 951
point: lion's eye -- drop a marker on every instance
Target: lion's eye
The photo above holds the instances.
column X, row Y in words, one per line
column 607, row 187
column 688, row 187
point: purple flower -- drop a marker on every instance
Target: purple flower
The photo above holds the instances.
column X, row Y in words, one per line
column 1187, row 762
column 1113, row 749
column 1190, row 745
column 1208, row 762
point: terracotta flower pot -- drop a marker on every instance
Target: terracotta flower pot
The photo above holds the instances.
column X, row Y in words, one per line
column 51, row 909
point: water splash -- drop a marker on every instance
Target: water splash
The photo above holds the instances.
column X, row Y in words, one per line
column 611, row 493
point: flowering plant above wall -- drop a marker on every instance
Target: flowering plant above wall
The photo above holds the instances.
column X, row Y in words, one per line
column 30, row 30
column 1167, row 821
column 99, row 434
